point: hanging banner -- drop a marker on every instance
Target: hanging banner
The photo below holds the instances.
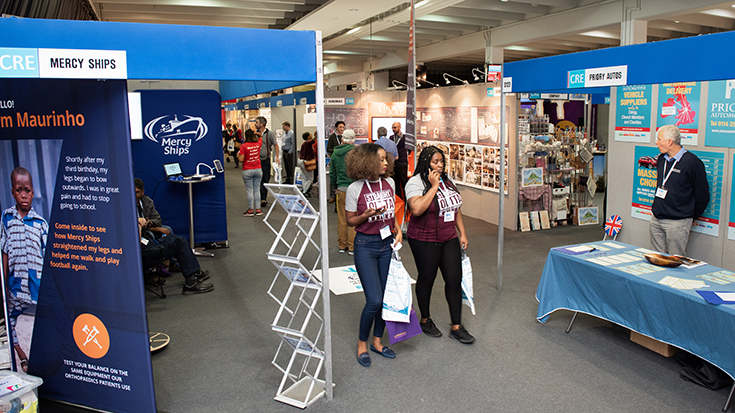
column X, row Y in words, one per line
column 721, row 114
column 183, row 126
column 731, row 220
column 678, row 104
column 714, row 165
column 77, row 315
column 633, row 113
column 410, row 131
column 644, row 181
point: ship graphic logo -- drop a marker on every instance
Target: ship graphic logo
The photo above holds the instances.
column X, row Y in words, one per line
column 167, row 127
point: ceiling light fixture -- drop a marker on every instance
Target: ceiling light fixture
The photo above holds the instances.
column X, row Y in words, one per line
column 474, row 69
column 676, row 21
column 399, row 83
column 417, row 5
column 355, row 30
column 424, row 80
column 445, row 75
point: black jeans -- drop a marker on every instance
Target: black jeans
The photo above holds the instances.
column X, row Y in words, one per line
column 288, row 167
column 429, row 257
column 265, row 165
column 401, row 177
column 170, row 246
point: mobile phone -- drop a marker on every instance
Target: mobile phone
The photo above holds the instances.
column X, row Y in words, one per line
column 218, row 166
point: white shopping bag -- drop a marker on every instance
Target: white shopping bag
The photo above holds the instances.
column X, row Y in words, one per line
column 397, row 298
column 468, row 296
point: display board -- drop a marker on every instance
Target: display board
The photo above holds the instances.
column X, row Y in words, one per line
column 471, row 165
column 633, row 113
column 476, row 124
column 89, row 339
column 354, row 118
column 678, row 104
column 183, row 126
column 720, row 125
column 644, row 187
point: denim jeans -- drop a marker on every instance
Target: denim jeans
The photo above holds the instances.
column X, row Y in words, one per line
column 372, row 261
column 251, row 178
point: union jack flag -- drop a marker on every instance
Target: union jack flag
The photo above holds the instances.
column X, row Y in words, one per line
column 613, row 225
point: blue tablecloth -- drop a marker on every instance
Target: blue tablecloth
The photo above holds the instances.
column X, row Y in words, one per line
column 681, row 318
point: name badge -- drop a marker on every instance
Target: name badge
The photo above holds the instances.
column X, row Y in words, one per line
column 385, row 232
column 661, row 193
column 144, row 241
column 449, row 216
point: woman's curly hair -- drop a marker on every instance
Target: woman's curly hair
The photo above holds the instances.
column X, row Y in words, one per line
column 363, row 162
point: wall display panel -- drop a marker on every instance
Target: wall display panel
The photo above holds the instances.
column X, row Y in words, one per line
column 678, row 104
column 731, row 220
column 354, row 118
column 471, row 165
column 644, row 187
column 633, row 113
column 479, row 124
column 720, row 125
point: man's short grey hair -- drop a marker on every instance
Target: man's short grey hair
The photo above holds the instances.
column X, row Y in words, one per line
column 382, row 131
column 262, row 120
column 671, row 133
column 348, row 136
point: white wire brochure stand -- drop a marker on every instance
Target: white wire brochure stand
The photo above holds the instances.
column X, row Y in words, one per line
column 297, row 293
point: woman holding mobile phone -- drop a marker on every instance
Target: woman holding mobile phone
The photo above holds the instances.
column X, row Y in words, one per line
column 437, row 237
column 370, row 208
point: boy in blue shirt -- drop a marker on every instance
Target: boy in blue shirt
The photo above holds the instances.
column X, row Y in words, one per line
column 23, row 236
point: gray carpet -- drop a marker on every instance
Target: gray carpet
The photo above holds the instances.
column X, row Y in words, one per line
column 221, row 347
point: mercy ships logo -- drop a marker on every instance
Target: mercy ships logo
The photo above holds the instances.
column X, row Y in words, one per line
column 174, row 135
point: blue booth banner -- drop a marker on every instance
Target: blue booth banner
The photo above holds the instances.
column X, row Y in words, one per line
column 75, row 304
column 731, row 219
column 183, row 126
column 644, row 181
column 678, row 104
column 720, row 125
column 633, row 113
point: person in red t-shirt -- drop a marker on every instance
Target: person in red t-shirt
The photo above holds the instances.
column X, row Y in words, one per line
column 370, row 208
column 249, row 155
column 436, row 219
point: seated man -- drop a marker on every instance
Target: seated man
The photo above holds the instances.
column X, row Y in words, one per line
column 173, row 246
column 147, row 210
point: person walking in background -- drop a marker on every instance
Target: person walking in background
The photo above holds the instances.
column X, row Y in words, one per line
column 436, row 221
column 287, row 149
column 251, row 171
column 370, row 208
column 307, row 162
column 269, row 145
column 340, row 181
column 402, row 162
column 386, row 143
column 682, row 193
column 236, row 136
column 335, row 139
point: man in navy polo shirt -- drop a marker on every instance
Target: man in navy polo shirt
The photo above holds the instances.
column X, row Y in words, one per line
column 682, row 193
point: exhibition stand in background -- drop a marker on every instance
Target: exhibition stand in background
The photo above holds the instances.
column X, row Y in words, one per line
column 91, row 294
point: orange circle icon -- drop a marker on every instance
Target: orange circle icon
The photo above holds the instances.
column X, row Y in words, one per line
column 91, row 336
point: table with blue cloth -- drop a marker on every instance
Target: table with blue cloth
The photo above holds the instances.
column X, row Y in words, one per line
column 616, row 283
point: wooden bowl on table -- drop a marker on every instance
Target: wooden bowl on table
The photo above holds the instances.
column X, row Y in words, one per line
column 663, row 260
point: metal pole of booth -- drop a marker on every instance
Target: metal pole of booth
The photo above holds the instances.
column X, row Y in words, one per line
column 501, row 194
column 322, row 150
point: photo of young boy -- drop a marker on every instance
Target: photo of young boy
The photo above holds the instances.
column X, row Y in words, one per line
column 23, row 235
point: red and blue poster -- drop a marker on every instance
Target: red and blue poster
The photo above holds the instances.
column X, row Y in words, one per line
column 714, row 165
column 678, row 104
column 70, row 244
column 633, row 113
column 731, row 219
column 644, row 181
column 720, row 124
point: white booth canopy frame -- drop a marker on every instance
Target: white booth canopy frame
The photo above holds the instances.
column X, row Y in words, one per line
column 177, row 52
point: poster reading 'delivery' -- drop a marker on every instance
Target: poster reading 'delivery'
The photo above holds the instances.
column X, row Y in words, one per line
column 75, row 304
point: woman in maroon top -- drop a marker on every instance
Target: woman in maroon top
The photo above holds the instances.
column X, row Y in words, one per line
column 436, row 220
column 370, row 208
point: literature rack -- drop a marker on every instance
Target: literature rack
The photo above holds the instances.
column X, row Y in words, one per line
column 295, row 256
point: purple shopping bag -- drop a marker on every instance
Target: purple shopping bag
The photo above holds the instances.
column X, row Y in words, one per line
column 398, row 332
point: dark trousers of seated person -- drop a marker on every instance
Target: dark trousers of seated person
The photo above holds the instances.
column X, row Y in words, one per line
column 171, row 246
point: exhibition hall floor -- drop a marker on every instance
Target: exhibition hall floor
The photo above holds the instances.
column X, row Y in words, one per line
column 219, row 359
